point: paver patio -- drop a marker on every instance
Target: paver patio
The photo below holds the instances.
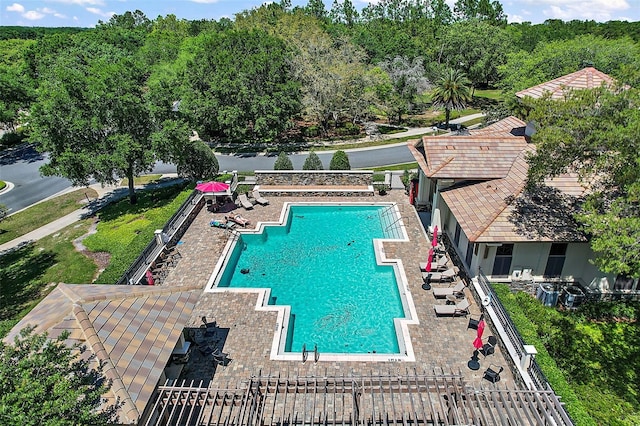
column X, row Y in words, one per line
column 441, row 344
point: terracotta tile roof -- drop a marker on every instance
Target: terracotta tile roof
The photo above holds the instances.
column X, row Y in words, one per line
column 467, row 157
column 133, row 329
column 510, row 126
column 586, row 78
column 502, row 210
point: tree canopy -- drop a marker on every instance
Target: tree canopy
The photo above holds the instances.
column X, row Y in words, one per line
column 237, row 84
column 91, row 115
column 45, row 382
column 595, row 133
column 452, row 92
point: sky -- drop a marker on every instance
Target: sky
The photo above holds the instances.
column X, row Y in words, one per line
column 87, row 13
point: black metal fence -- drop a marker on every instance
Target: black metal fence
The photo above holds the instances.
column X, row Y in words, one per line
column 171, row 233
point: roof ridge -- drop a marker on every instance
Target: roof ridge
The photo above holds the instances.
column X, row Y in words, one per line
column 117, row 385
column 442, row 165
column 156, row 291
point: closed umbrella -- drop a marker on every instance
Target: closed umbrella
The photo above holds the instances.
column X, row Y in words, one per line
column 429, row 260
column 478, row 342
column 149, row 276
column 434, row 242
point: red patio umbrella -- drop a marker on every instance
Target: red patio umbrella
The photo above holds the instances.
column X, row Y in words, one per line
column 149, row 276
column 478, row 342
column 434, row 242
column 412, row 194
column 429, row 260
column 212, row 187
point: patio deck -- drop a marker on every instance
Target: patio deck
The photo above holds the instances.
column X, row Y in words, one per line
column 440, row 343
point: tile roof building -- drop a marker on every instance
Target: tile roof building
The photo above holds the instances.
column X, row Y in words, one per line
column 586, row 78
column 477, row 182
column 131, row 329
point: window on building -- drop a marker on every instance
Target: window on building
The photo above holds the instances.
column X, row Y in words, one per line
column 555, row 262
column 502, row 261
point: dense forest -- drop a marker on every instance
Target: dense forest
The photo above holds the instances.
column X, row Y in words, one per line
column 326, row 69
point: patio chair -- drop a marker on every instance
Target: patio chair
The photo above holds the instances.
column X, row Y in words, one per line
column 457, row 290
column 244, row 201
column 447, row 275
column 259, row 198
column 489, row 348
column 439, row 264
column 219, row 357
column 226, row 224
column 493, row 374
column 473, row 323
column 460, row 308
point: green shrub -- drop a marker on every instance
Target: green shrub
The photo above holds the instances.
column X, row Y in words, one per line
column 349, row 129
column 520, row 306
column 2, row 184
column 311, row 131
column 340, row 161
column 283, row 162
column 10, row 139
column 312, row 162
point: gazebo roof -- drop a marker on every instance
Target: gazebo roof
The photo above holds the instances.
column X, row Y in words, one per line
column 132, row 329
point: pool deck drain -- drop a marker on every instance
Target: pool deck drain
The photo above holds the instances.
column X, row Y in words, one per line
column 440, row 343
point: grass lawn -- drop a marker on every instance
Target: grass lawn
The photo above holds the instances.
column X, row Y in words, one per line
column 26, row 275
column 40, row 214
column 404, row 166
column 590, row 356
column 493, row 94
column 125, row 230
column 2, row 184
column 141, row 180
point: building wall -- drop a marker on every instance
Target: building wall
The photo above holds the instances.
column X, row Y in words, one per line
column 533, row 255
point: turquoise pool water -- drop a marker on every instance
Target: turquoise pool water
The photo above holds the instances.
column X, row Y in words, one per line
column 321, row 262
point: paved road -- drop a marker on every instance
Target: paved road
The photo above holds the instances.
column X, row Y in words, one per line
column 22, row 168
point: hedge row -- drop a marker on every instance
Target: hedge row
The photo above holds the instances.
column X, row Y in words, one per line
column 516, row 305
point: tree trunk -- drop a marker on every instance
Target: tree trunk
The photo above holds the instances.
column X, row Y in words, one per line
column 447, row 114
column 133, row 198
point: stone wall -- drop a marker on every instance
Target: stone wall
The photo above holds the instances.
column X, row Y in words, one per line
column 314, row 177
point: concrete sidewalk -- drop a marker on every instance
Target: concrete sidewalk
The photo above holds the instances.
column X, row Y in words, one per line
column 106, row 195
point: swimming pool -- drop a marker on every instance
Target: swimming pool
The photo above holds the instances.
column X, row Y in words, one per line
column 323, row 267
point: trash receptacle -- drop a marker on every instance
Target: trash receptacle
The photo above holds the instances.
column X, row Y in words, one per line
column 547, row 294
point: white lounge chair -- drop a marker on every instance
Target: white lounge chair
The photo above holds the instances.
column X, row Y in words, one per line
column 259, row 198
column 460, row 308
column 244, row 201
column 439, row 265
column 456, row 290
column 447, row 275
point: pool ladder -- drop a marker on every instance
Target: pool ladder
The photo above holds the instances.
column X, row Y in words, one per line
column 305, row 353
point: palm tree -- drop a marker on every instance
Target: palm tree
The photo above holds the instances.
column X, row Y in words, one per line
column 452, row 91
